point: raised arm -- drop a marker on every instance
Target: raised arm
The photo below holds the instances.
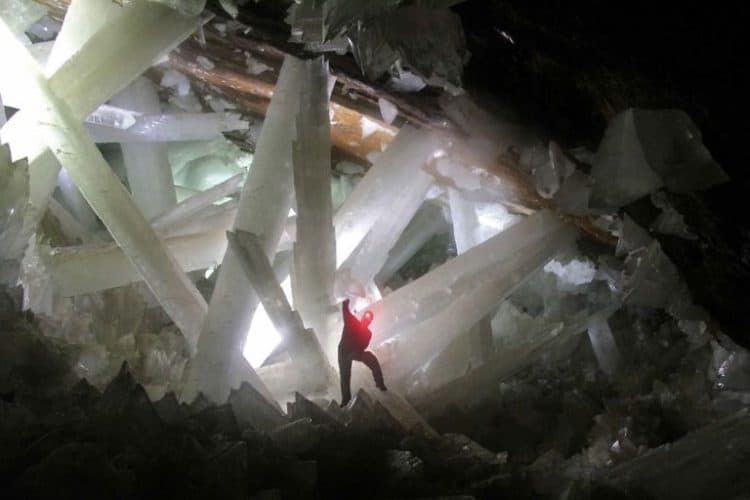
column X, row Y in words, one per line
column 347, row 314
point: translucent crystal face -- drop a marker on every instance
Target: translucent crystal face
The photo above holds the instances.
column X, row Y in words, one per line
column 263, row 337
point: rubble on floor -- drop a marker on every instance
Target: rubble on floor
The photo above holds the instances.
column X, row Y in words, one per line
column 60, row 436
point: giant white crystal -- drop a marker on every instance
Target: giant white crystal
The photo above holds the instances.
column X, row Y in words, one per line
column 92, row 268
column 372, row 197
column 505, row 363
column 72, row 199
column 264, row 205
column 64, row 134
column 147, row 165
column 301, row 343
column 165, row 127
column 196, row 204
column 359, row 270
column 208, row 219
column 411, row 347
column 315, row 245
column 431, row 293
column 89, row 73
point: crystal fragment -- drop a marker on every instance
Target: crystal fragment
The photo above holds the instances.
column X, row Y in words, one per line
column 304, row 408
column 388, row 110
column 297, row 437
column 188, row 103
column 254, row 66
column 603, row 343
column 252, row 409
column 651, row 280
column 406, row 81
column 205, row 63
column 632, row 237
column 574, row 193
column 674, row 148
column 575, row 272
column 175, row 80
column 463, row 178
column 113, row 117
column 552, row 173
column 669, row 221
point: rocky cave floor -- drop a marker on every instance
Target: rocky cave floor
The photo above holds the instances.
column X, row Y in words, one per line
column 553, row 430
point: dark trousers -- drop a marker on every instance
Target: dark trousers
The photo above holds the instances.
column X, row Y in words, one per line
column 346, row 356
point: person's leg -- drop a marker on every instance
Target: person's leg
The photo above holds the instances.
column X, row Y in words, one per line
column 345, row 374
column 371, row 361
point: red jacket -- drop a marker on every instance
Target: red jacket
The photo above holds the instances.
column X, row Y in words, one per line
column 355, row 335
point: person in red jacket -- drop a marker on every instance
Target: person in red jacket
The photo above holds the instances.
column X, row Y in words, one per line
column 355, row 338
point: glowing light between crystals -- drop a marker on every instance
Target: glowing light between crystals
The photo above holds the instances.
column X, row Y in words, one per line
column 263, row 338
